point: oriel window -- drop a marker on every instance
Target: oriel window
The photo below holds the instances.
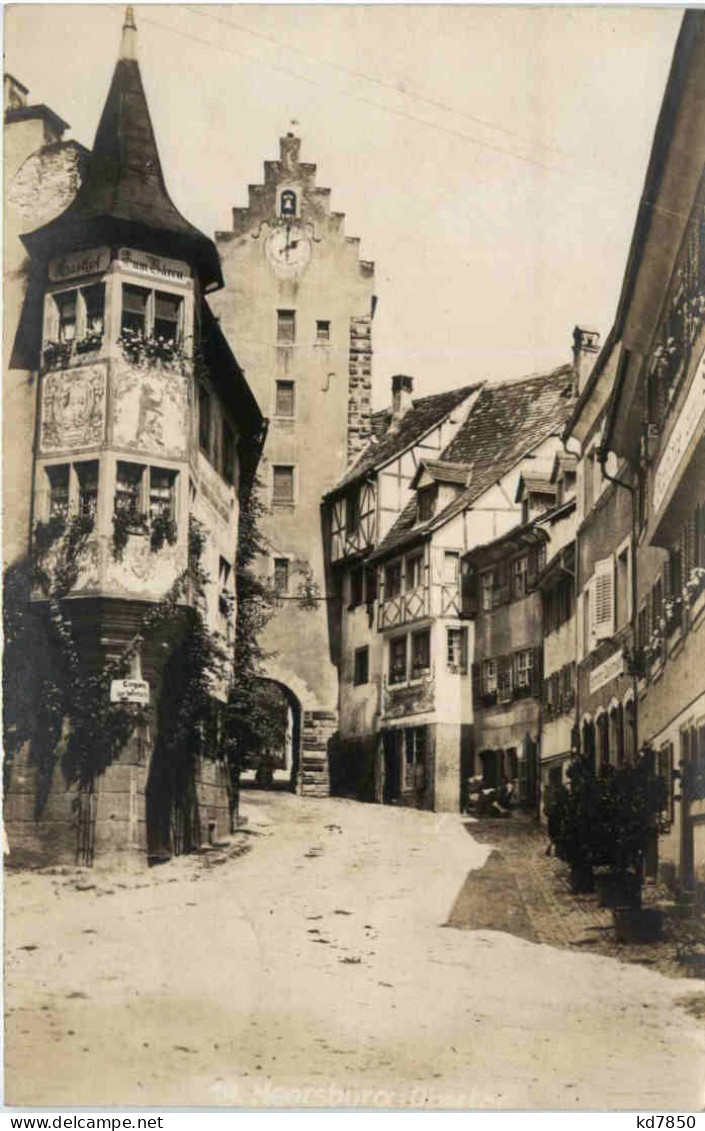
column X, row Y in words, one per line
column 94, row 299
column 167, row 313
column 58, row 491
column 66, row 302
column 134, row 308
column 128, row 489
column 161, row 492
column 87, row 474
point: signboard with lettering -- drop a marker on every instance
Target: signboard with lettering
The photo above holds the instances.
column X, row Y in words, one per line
column 155, row 266
column 129, row 691
column 612, row 667
column 684, row 429
column 77, row 263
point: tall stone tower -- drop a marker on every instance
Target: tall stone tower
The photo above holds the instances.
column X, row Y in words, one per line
column 299, row 301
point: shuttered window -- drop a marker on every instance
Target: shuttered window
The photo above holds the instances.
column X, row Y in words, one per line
column 603, row 599
column 285, row 399
column 283, row 484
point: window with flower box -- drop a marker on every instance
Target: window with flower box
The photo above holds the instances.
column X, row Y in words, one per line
column 73, row 489
column 128, row 490
column 76, row 320
column 87, row 474
column 58, row 490
column 145, row 496
column 153, row 314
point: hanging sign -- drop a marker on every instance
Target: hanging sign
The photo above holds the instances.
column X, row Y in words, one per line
column 129, row 691
column 77, row 263
column 155, row 266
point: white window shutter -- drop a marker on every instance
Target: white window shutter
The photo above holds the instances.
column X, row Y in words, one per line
column 603, row 599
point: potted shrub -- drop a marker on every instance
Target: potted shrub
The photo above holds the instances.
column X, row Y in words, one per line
column 571, row 825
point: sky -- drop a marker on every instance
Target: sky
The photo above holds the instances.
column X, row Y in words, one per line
column 490, row 159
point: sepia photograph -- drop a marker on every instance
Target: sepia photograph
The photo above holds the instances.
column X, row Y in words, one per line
column 353, row 526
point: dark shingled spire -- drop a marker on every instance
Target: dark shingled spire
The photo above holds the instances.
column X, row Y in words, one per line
column 124, row 198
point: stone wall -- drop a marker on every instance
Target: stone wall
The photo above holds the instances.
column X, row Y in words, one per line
column 360, row 387
column 319, row 734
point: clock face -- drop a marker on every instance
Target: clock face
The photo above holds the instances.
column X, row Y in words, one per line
column 288, row 249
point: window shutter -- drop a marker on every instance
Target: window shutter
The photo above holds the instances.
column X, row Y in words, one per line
column 476, row 684
column 503, row 583
column 536, row 665
column 469, row 590
column 603, row 599
column 667, row 578
column 532, row 570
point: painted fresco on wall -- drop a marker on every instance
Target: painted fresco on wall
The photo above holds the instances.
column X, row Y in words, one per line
column 150, row 410
column 141, row 572
column 73, row 409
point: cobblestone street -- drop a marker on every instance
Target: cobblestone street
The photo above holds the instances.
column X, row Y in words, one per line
column 525, row 892
column 307, row 963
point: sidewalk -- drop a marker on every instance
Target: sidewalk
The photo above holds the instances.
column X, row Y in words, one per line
column 526, row 893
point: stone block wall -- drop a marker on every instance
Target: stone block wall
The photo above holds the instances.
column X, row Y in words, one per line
column 360, row 387
column 318, row 738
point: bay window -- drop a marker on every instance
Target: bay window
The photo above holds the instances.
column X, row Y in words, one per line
column 87, row 473
column 457, row 654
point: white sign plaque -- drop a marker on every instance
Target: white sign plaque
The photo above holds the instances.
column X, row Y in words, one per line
column 155, row 266
column 688, row 419
column 603, row 673
column 129, row 691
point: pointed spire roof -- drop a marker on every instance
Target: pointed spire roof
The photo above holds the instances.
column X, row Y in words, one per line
column 124, row 198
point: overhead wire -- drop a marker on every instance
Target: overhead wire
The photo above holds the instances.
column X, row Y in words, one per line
column 255, row 61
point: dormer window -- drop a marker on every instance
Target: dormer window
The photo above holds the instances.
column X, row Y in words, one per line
column 426, row 504
column 287, row 205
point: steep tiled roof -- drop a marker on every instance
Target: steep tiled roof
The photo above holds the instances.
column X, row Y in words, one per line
column 124, row 198
column 423, row 415
column 506, row 422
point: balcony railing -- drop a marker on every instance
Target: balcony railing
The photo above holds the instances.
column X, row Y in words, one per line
column 404, row 607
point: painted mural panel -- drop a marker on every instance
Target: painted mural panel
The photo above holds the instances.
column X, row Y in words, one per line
column 150, row 410
column 73, row 409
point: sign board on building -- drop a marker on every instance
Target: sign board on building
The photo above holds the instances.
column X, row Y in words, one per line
column 129, row 691
column 684, row 429
column 612, row 667
column 155, row 266
column 77, row 263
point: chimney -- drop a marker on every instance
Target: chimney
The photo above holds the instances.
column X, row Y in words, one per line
column 586, row 343
column 402, row 388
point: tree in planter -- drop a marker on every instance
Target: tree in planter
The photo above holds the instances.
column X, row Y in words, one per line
column 607, row 820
